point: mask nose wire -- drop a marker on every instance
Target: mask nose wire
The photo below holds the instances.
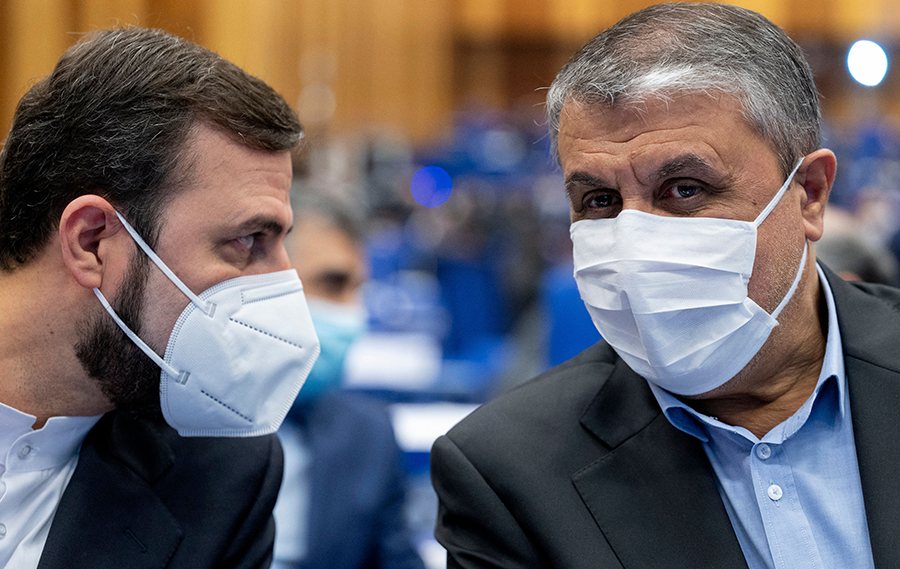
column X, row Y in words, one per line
column 206, row 307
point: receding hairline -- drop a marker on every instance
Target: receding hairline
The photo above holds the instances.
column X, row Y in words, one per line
column 668, row 49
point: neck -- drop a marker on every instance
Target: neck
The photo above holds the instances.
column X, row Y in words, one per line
column 783, row 375
column 40, row 308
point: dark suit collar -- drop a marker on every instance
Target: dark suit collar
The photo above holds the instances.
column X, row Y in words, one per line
column 654, row 495
column 109, row 515
column 138, row 444
column 870, row 333
column 656, row 486
column 622, row 407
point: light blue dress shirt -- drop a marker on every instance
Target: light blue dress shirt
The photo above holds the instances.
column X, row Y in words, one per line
column 794, row 497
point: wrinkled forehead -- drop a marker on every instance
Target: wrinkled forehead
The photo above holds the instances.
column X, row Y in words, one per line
column 628, row 119
column 716, row 113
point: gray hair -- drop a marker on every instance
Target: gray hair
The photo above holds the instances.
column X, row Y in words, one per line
column 337, row 213
column 670, row 49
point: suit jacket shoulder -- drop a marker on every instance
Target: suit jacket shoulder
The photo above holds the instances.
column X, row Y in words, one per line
column 869, row 321
column 143, row 496
column 578, row 468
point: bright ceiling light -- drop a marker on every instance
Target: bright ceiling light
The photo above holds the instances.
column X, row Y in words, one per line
column 867, row 62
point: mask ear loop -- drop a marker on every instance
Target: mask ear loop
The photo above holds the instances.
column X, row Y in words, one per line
column 774, row 201
column 207, row 307
column 140, row 343
column 762, row 217
column 790, row 292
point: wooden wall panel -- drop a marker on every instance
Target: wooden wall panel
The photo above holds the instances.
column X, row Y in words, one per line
column 98, row 14
column 579, row 20
column 400, row 64
column 34, row 35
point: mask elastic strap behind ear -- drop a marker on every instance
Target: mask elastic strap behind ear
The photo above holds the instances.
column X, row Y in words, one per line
column 768, row 209
column 206, row 307
column 134, row 338
column 796, row 282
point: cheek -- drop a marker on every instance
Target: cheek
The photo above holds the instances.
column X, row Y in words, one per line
column 779, row 248
column 163, row 304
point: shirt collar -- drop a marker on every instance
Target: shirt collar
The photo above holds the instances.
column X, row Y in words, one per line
column 695, row 424
column 25, row 449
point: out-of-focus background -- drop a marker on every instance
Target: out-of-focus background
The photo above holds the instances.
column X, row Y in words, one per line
column 473, row 296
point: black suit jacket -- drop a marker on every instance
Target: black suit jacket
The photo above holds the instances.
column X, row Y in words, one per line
column 580, row 468
column 144, row 497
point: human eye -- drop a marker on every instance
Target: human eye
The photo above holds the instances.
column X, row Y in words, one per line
column 247, row 241
column 600, row 204
column 683, row 190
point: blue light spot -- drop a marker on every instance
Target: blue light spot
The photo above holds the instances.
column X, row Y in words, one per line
column 431, row 186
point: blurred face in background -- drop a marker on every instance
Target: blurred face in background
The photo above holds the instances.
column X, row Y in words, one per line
column 332, row 267
column 331, row 264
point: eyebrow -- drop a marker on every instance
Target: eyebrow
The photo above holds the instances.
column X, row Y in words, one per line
column 579, row 178
column 690, row 165
column 262, row 223
column 687, row 165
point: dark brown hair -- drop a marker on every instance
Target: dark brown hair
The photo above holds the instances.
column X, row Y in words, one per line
column 113, row 119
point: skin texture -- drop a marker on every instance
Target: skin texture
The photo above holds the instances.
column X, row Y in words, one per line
column 694, row 155
column 230, row 221
column 330, row 263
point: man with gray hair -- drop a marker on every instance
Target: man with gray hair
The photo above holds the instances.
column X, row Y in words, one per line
column 740, row 410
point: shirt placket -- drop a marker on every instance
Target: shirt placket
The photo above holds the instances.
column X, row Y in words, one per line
column 786, row 525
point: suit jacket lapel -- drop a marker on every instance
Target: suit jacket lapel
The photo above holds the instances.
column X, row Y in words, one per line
column 654, row 495
column 870, row 334
column 109, row 517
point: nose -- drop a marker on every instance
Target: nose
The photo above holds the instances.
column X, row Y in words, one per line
column 640, row 203
column 281, row 261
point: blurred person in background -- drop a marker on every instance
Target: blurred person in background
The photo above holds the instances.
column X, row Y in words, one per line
column 145, row 183
column 741, row 409
column 847, row 249
column 341, row 504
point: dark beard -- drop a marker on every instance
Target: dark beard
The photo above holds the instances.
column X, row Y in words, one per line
column 126, row 375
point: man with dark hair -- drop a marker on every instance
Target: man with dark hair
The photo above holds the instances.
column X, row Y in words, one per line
column 740, row 410
column 144, row 197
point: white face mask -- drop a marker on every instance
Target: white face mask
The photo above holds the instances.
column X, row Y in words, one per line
column 237, row 355
column 669, row 294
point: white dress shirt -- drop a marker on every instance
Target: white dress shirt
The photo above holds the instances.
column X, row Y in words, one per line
column 36, row 467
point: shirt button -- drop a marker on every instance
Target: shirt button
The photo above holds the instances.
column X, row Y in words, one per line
column 775, row 492
column 24, row 451
column 2, row 531
column 763, row 451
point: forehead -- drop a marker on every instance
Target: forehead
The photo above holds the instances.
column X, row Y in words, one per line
column 317, row 244
column 639, row 136
column 228, row 183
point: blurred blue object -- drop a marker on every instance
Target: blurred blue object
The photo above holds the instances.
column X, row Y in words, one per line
column 471, row 293
column 431, row 186
column 569, row 326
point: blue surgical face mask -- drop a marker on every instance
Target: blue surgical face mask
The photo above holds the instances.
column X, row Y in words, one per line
column 338, row 326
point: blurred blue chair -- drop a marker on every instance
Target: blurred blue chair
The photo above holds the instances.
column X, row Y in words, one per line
column 569, row 326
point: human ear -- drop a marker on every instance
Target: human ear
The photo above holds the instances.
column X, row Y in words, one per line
column 816, row 175
column 85, row 230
